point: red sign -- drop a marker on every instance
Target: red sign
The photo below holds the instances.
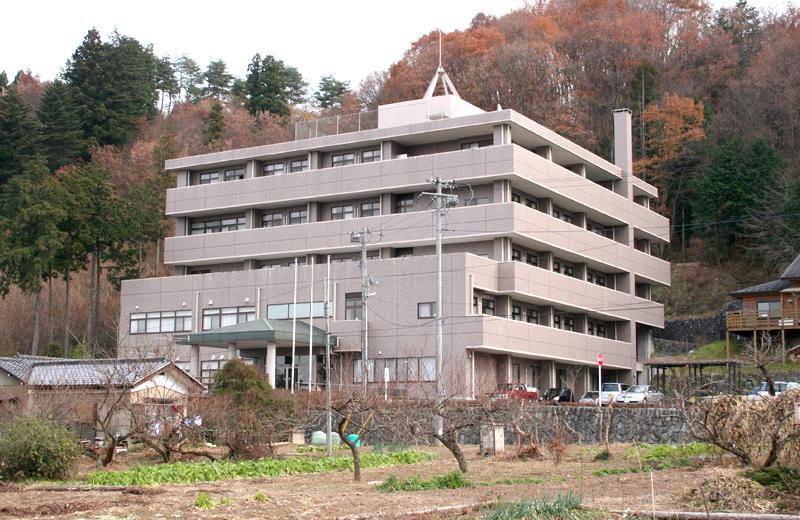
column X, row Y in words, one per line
column 599, row 359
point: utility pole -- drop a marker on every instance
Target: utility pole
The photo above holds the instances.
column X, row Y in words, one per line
column 328, row 406
column 362, row 237
column 442, row 201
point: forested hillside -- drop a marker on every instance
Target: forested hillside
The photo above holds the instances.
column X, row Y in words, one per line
column 714, row 95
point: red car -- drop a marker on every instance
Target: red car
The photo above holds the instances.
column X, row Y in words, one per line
column 514, row 391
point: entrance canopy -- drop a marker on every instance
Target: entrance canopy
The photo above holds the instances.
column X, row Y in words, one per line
column 256, row 333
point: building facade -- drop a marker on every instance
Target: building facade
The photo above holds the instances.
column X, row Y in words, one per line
column 546, row 256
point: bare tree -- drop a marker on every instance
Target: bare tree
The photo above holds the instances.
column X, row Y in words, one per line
column 762, row 354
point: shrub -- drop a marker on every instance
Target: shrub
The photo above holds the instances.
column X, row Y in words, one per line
column 603, row 455
column 31, row 447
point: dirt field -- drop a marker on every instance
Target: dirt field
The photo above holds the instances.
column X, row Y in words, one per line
column 335, row 495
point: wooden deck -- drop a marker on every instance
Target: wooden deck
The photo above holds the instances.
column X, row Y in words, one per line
column 763, row 320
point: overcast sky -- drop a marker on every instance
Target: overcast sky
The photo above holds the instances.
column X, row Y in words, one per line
column 345, row 39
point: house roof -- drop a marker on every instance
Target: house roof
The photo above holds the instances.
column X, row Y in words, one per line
column 47, row 371
column 775, row 286
column 793, row 271
column 255, row 333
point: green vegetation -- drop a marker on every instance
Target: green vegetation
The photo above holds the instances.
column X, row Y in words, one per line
column 668, row 451
column 453, row 480
column 36, row 448
column 603, row 455
column 560, row 507
column 779, row 479
column 203, row 501
column 261, row 497
column 716, row 350
column 509, row 481
column 318, row 449
column 200, row 472
column 609, row 471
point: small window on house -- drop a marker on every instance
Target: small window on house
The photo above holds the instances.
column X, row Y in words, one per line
column 374, row 255
column 477, row 202
column 557, row 322
column 269, row 264
column 556, row 267
column 569, row 270
column 344, row 159
column 474, row 305
column 601, row 280
column 352, row 306
column 516, row 313
column 404, row 203
column 298, row 217
column 342, row 213
column 516, row 198
column 234, row 175
column 426, row 310
column 568, row 219
column 370, row 209
column 404, row 252
column 370, row 156
column 200, row 271
column 531, row 204
column 209, row 178
column 273, row 169
column 590, row 328
column 271, row 219
column 298, row 166
column 768, row 309
column 532, row 259
column 476, row 144
column 299, row 263
column 488, row 307
column 590, row 277
column 601, row 331
column 532, row 316
column 516, row 255
column 556, row 213
column 569, row 324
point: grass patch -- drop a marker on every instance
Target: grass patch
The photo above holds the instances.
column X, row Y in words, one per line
column 319, row 449
column 559, row 507
column 603, row 455
column 716, row 350
column 261, row 497
column 453, row 480
column 779, row 479
column 511, row 481
column 181, row 473
column 669, row 451
column 203, row 501
column 609, row 471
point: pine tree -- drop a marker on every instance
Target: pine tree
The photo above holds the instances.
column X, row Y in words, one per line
column 218, row 81
column 63, row 141
column 266, row 87
column 296, row 86
column 215, row 126
column 330, row 91
column 20, row 135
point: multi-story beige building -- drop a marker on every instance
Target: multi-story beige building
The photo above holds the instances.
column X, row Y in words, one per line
column 546, row 260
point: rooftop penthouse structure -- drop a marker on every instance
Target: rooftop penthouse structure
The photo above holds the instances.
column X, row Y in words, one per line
column 546, row 257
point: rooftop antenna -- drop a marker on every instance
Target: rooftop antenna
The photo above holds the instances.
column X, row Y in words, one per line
column 440, row 73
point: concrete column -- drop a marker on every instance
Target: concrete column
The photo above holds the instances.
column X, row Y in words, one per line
column 314, row 160
column 183, row 178
column 580, row 271
column 194, row 361
column 251, row 170
column 180, row 226
column 250, row 219
column 232, row 352
column 546, row 205
column 623, row 151
column 579, row 219
column 545, row 151
column 501, row 135
column 271, row 348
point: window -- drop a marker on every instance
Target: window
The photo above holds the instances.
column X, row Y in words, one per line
column 216, row 318
column 477, row 202
column 557, row 322
column 208, row 369
column 426, row 310
column 516, row 198
column 532, row 259
column 370, row 209
column 532, row 316
column 568, row 219
column 404, row 203
column 344, row 159
column 200, row 271
column 590, row 328
column 589, row 278
column 427, row 369
column 298, row 166
column 268, row 264
column 404, row 252
column 155, row 322
column 569, row 324
column 556, row 213
column 516, row 255
column 272, row 220
column 298, row 217
column 475, row 144
column 488, row 307
column 569, row 271
column 370, row 156
column 299, row 263
column 374, row 255
column 217, row 225
column 474, row 305
column 285, row 311
column 556, row 267
column 234, row 175
column 209, row 178
column 340, row 260
column 273, row 169
column 601, row 280
column 532, row 204
column 768, row 309
column 601, row 331
column 352, row 306
column 342, row 213
column 516, row 313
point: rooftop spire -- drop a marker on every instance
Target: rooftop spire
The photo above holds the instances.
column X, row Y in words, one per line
column 441, row 74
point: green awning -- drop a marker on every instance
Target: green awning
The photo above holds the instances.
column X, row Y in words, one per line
column 255, row 333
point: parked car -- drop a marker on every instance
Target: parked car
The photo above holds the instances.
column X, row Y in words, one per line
column 514, row 391
column 778, row 386
column 640, row 394
column 611, row 391
column 589, row 397
column 558, row 395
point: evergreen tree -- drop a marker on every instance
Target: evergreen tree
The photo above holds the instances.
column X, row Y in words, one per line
column 645, row 89
column 20, row 135
column 189, row 76
column 215, row 126
column 265, row 87
column 63, row 141
column 166, row 82
column 330, row 91
column 296, row 86
column 3, row 82
column 115, row 84
column 218, row 81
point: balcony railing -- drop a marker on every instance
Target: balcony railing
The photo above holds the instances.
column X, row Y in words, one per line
column 763, row 320
column 336, row 125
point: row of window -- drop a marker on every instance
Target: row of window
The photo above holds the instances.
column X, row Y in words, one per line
column 396, row 369
column 167, row 321
column 530, row 316
column 218, row 225
column 216, row 318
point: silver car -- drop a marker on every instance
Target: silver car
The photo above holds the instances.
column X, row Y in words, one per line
column 640, row 394
column 611, row 391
